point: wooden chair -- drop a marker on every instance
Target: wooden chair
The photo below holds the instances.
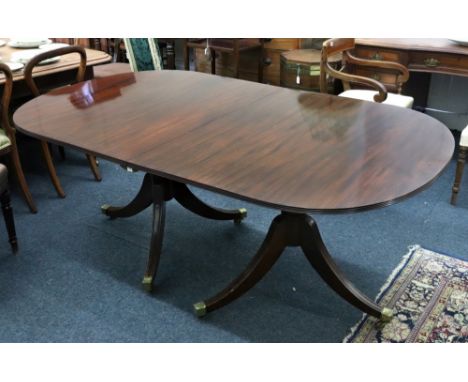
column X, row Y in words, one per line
column 234, row 46
column 462, row 151
column 35, row 91
column 8, row 137
column 6, row 208
column 113, row 46
column 118, row 49
column 379, row 94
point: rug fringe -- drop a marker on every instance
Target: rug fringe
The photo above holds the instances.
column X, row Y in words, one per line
column 388, row 283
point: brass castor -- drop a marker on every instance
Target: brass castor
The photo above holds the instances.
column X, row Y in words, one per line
column 199, row 309
column 242, row 215
column 147, row 283
column 104, row 208
column 387, row 315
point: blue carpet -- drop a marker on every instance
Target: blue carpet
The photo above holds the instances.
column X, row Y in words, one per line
column 77, row 276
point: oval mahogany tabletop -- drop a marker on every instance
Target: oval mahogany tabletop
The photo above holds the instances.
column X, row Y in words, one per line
column 291, row 150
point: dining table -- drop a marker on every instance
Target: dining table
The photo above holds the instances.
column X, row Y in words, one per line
column 292, row 151
column 50, row 75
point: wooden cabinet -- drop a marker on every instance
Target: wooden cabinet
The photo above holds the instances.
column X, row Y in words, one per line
column 300, row 69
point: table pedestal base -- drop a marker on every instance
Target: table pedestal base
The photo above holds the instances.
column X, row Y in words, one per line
column 287, row 230
column 157, row 191
column 293, row 230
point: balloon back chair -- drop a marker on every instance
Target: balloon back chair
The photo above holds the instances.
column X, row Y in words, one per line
column 28, row 77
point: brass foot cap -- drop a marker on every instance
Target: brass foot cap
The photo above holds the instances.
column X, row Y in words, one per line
column 104, row 208
column 147, row 283
column 387, row 315
column 242, row 215
column 199, row 308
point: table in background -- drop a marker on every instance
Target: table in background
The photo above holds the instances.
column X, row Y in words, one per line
column 54, row 74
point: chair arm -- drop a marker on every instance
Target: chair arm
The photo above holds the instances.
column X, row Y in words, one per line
column 404, row 72
column 382, row 91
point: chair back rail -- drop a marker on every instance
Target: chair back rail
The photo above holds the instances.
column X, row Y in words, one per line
column 50, row 54
column 6, row 98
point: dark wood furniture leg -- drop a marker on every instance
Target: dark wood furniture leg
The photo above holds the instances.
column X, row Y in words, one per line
column 462, row 151
column 157, row 191
column 21, row 179
column 94, row 166
column 186, row 55
column 291, row 229
column 236, row 58
column 51, row 168
column 170, row 55
column 261, row 62
column 187, row 199
column 9, row 221
column 142, row 201
column 213, row 61
column 61, row 150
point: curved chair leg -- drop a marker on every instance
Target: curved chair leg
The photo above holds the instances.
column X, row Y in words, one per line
column 188, row 200
column 269, row 252
column 318, row 256
column 462, row 151
column 159, row 215
column 9, row 221
column 142, row 200
column 51, row 168
column 93, row 165
column 22, row 180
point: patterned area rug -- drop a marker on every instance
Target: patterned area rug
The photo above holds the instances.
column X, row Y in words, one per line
column 428, row 293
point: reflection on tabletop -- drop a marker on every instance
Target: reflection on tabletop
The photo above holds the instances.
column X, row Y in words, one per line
column 96, row 91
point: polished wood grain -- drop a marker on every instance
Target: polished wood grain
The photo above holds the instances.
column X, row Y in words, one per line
column 295, row 151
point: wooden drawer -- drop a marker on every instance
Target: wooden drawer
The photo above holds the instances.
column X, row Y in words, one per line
column 438, row 62
column 381, row 54
column 386, row 78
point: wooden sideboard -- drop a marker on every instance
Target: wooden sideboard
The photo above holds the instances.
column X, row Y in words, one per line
column 421, row 56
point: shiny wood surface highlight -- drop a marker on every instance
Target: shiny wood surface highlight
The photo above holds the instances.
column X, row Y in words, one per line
column 291, row 150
